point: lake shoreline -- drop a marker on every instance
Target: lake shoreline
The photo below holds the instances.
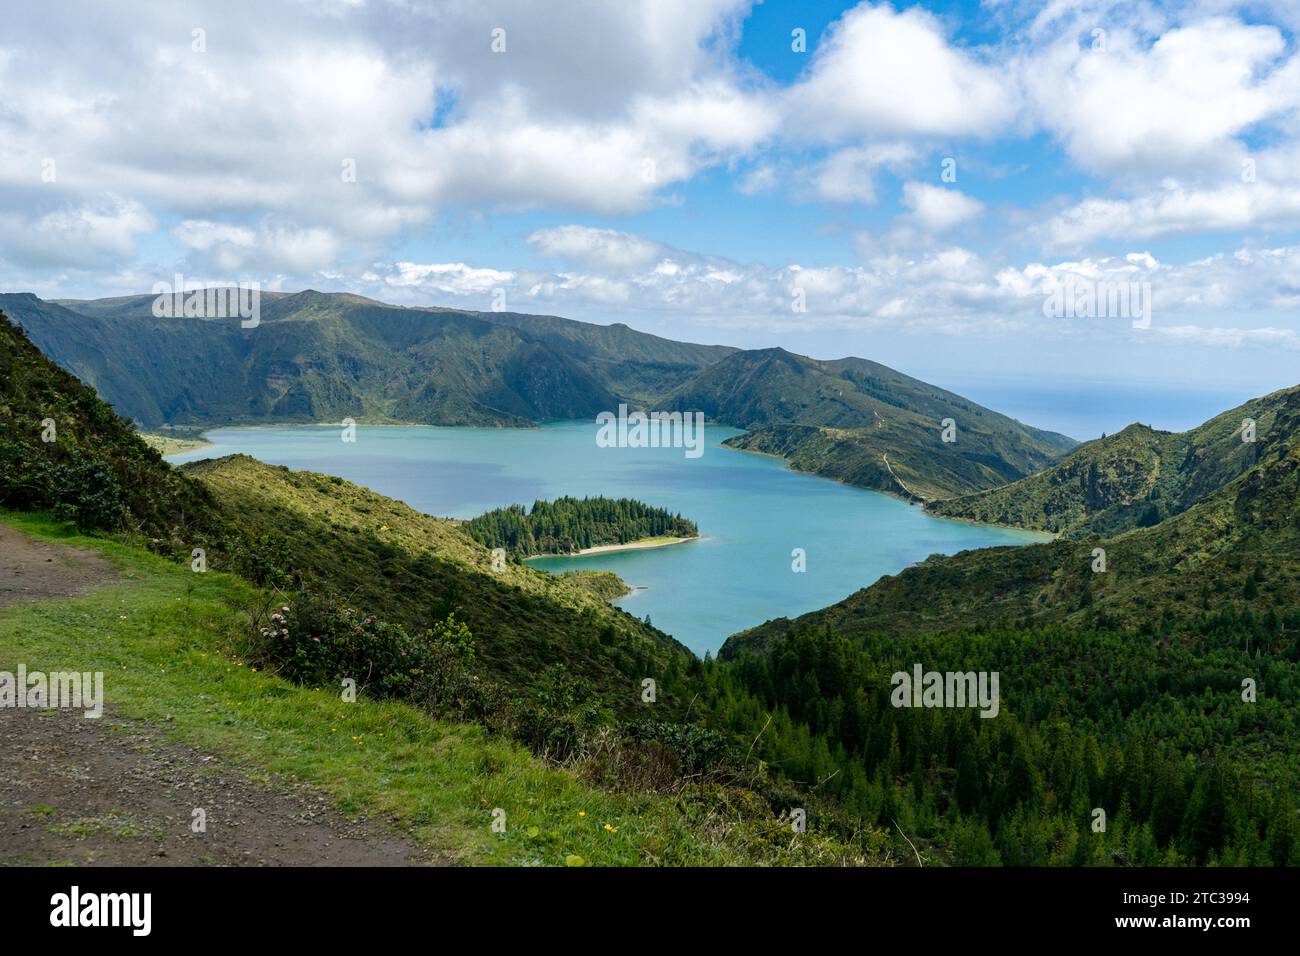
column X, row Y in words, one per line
column 755, row 509
column 915, row 502
column 643, row 545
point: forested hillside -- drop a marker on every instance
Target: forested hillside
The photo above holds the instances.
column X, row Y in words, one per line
column 1147, row 726
column 1153, row 676
column 570, row 525
column 1136, row 477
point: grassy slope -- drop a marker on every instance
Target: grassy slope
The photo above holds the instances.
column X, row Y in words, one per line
column 1134, row 477
column 839, row 419
column 410, row 568
column 380, row 555
column 1205, row 555
column 167, row 640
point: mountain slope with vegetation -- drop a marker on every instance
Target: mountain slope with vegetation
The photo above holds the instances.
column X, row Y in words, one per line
column 1153, row 674
column 325, row 534
column 1239, row 543
column 865, row 424
column 327, row 356
column 1134, row 478
column 64, row 450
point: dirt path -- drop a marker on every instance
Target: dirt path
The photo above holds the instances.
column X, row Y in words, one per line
column 106, row 792
column 32, row 570
column 111, row 792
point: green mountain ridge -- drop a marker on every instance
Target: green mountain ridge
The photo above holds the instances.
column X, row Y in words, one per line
column 840, row 419
column 1134, row 478
column 328, row 356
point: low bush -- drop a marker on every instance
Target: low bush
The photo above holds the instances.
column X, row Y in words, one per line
column 319, row 641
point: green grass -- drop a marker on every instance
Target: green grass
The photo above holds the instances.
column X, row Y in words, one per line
column 167, row 641
column 115, row 822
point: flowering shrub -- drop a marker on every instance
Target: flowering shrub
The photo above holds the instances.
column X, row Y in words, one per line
column 317, row 641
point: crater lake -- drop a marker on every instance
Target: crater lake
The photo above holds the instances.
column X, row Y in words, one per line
column 752, row 512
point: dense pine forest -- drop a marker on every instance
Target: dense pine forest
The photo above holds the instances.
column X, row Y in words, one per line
column 569, row 525
column 1151, row 727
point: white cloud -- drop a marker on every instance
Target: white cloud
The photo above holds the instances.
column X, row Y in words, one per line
column 848, row 175
column 1175, row 210
column 604, row 110
column 937, row 208
column 88, row 235
column 600, row 248
column 1176, row 102
column 202, row 234
column 885, row 72
column 760, row 179
column 454, row 278
column 949, row 291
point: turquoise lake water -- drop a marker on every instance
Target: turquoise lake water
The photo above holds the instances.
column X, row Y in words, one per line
column 752, row 512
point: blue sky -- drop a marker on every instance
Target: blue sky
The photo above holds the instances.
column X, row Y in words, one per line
column 676, row 165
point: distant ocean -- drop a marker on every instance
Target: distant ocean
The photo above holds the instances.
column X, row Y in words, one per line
column 1086, row 410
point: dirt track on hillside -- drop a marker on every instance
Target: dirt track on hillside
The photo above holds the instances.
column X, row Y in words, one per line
column 32, row 570
column 112, row 792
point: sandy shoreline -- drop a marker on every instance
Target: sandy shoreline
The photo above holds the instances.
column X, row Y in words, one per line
column 630, row 546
